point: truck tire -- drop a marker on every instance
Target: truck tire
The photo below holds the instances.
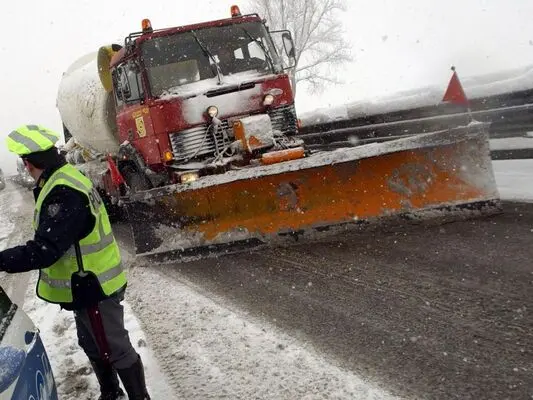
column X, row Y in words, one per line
column 136, row 181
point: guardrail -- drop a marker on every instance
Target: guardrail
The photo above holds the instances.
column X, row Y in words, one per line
column 510, row 115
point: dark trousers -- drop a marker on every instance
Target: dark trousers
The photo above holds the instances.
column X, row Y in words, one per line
column 102, row 335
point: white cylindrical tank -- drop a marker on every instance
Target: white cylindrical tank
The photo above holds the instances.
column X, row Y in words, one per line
column 86, row 108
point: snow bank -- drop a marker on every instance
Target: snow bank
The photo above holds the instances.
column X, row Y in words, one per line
column 10, row 200
column 475, row 87
column 505, row 82
column 6, row 227
column 514, row 179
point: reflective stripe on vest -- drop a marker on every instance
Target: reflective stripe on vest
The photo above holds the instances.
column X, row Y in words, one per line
column 86, row 249
column 66, row 283
column 99, row 250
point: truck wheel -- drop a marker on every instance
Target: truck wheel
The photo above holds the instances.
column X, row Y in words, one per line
column 136, row 181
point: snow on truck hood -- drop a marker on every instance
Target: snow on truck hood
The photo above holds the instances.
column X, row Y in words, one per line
column 203, row 86
column 195, row 99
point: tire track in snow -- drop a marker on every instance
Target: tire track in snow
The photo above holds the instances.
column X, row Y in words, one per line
column 209, row 351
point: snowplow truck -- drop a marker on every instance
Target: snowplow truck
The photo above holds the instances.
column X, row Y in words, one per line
column 191, row 130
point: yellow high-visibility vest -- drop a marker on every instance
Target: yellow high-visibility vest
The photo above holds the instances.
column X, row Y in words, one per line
column 99, row 250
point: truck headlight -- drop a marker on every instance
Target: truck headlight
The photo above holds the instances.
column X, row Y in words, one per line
column 268, row 100
column 212, row 111
column 189, row 177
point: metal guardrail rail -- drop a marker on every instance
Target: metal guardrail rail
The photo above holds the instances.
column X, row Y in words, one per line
column 510, row 115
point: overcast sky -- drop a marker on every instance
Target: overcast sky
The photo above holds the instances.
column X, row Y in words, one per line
column 396, row 45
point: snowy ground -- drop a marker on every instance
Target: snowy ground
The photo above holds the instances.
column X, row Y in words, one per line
column 514, row 179
column 73, row 373
column 515, row 143
column 15, row 205
column 218, row 351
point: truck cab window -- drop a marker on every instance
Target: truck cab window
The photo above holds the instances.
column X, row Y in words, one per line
column 117, row 87
column 255, row 51
column 185, row 58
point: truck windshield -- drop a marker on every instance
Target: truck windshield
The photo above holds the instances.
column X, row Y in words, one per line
column 181, row 59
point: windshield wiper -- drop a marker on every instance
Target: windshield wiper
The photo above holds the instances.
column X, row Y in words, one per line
column 269, row 59
column 209, row 54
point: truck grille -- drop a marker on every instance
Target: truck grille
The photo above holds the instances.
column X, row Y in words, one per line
column 284, row 120
column 195, row 143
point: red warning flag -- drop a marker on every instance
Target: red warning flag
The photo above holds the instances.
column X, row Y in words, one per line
column 116, row 176
column 455, row 93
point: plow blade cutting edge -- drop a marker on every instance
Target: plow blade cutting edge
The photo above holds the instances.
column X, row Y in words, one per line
column 442, row 172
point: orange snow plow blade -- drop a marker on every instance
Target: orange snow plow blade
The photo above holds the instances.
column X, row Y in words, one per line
column 445, row 171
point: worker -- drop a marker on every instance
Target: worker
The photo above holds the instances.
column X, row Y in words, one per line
column 79, row 260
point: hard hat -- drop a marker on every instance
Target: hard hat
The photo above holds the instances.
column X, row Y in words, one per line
column 29, row 139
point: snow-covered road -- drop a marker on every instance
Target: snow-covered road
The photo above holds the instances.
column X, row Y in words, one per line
column 214, row 351
column 175, row 326
column 514, row 179
column 16, row 208
column 210, row 348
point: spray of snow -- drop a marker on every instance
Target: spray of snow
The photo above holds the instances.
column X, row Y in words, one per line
column 476, row 170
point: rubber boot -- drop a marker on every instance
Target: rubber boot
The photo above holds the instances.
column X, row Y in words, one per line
column 133, row 380
column 108, row 380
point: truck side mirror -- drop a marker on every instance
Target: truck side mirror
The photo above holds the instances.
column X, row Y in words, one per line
column 283, row 39
column 288, row 45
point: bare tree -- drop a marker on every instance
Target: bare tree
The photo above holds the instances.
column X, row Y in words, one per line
column 317, row 32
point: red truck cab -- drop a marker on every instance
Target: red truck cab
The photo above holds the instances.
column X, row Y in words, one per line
column 179, row 90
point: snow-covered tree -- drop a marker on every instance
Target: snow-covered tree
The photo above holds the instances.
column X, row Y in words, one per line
column 317, row 32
